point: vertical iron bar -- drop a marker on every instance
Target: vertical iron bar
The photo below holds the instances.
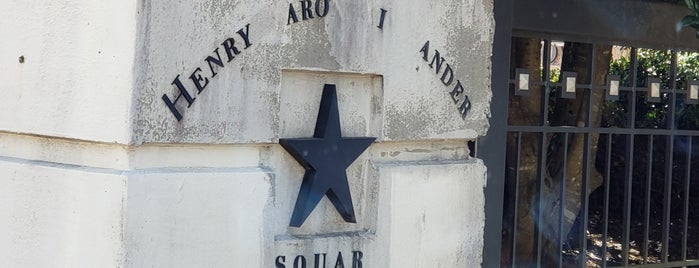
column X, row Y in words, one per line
column 627, row 197
column 628, row 159
column 543, row 146
column 634, row 78
column 588, row 148
column 588, row 116
column 561, row 209
column 606, row 200
column 686, row 198
column 690, row 154
column 516, row 205
column 667, row 197
column 585, row 203
column 670, row 163
column 673, row 89
column 539, row 191
column 649, row 186
column 586, row 169
column 586, row 165
column 547, row 83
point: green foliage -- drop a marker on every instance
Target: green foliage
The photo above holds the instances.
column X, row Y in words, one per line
column 693, row 19
column 653, row 63
column 687, row 66
column 555, row 75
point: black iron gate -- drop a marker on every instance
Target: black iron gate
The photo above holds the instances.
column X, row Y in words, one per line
column 596, row 101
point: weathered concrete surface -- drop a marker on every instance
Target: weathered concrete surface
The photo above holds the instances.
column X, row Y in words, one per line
column 97, row 172
column 54, row 215
column 98, row 71
column 417, row 207
column 242, row 102
column 434, row 218
column 197, row 218
column 361, row 97
column 191, row 205
column 76, row 78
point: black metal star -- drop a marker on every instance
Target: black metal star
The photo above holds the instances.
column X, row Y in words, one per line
column 325, row 157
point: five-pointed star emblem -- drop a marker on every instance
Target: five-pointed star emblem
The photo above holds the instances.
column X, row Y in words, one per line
column 325, row 157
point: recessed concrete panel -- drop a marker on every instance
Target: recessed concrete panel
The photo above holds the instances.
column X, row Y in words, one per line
column 359, row 97
column 324, row 220
column 431, row 214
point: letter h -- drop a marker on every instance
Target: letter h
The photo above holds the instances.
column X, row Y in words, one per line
column 183, row 93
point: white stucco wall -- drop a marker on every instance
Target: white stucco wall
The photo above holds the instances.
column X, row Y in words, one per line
column 95, row 171
column 76, row 79
column 60, row 216
column 197, row 218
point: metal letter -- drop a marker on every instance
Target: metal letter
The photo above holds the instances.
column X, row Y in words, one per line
column 317, row 261
column 383, row 16
column 300, row 259
column 245, row 35
column 458, row 89
column 306, row 12
column 231, row 50
column 216, row 61
column 325, row 8
column 339, row 263
column 279, row 262
column 197, row 78
column 357, row 259
column 465, row 107
column 292, row 15
column 425, row 49
column 183, row 93
column 437, row 58
column 449, row 71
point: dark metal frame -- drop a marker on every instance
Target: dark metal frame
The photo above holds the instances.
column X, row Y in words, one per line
column 490, row 146
column 637, row 23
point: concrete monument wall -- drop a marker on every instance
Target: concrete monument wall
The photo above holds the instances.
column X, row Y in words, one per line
column 147, row 133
